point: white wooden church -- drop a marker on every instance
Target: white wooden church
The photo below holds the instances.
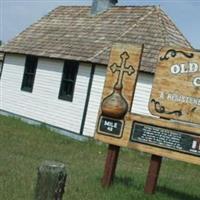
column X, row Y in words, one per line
column 54, row 71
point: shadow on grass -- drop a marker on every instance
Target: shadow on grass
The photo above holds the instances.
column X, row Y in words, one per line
column 123, row 181
column 126, row 181
column 177, row 194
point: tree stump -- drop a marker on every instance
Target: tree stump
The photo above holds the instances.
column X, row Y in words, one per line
column 51, row 181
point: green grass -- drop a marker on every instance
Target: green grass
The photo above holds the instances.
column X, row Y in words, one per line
column 24, row 147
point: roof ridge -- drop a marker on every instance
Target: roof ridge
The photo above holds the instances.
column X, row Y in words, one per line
column 124, row 33
column 162, row 13
column 138, row 21
column 158, row 9
column 116, row 6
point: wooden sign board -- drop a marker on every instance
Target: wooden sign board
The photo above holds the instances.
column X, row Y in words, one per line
column 117, row 126
column 118, row 93
column 176, row 87
column 175, row 95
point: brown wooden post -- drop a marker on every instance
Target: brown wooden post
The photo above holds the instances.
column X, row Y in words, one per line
column 153, row 173
column 110, row 165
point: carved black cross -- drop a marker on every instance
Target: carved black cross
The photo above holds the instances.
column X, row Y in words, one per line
column 122, row 69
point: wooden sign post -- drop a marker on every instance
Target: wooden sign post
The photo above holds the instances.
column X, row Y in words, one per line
column 110, row 165
column 175, row 95
column 153, row 173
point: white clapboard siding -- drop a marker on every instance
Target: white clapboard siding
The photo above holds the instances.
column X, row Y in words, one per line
column 142, row 94
column 1, row 90
column 95, row 100
column 43, row 103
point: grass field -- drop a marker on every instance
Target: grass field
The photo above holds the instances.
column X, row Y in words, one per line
column 23, row 147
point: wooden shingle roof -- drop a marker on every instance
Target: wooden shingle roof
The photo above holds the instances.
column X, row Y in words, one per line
column 70, row 32
column 1, row 56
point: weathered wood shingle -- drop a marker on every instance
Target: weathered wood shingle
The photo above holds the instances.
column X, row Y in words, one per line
column 72, row 33
column 1, row 57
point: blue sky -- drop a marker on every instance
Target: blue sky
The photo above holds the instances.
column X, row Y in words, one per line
column 16, row 15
